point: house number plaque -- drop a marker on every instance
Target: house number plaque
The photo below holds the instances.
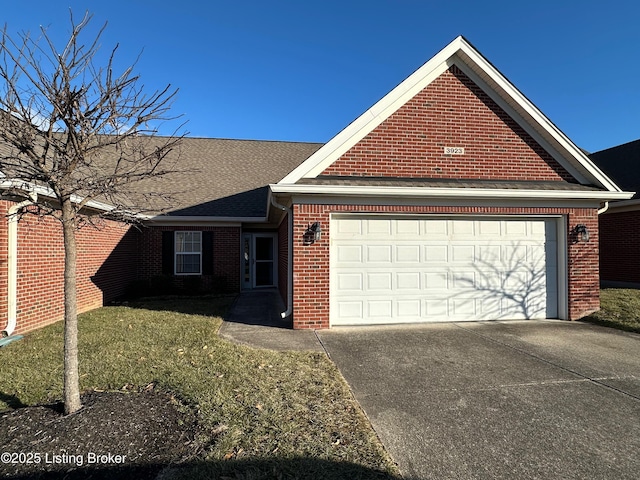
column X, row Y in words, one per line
column 454, row 150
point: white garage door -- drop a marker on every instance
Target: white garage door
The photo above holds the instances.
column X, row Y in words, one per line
column 387, row 269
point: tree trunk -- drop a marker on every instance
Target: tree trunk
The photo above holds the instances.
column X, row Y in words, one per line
column 71, row 373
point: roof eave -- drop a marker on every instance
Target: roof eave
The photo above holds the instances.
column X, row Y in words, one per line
column 447, row 192
column 178, row 220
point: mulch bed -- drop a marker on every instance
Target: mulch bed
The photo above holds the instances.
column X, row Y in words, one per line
column 115, row 435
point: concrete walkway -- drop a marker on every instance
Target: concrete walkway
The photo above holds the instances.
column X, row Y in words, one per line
column 254, row 319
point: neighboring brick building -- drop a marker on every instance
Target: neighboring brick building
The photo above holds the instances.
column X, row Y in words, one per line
column 620, row 223
column 452, row 198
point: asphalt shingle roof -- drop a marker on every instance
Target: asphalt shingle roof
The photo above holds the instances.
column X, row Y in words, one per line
column 622, row 165
column 229, row 178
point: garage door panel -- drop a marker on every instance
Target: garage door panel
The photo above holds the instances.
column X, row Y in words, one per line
column 437, row 308
column 349, row 253
column 463, row 307
column 436, row 253
column 409, row 309
column 381, row 228
column 408, row 281
column 350, row 310
column 349, row 282
column 407, row 228
column 379, row 281
column 462, row 253
column 380, row 309
column 349, row 228
column 436, row 280
column 407, row 253
column 395, row 269
column 378, row 254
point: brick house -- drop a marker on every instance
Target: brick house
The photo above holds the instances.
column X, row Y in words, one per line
column 620, row 222
column 451, row 198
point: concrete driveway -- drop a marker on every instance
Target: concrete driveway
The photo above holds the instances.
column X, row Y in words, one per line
column 535, row 399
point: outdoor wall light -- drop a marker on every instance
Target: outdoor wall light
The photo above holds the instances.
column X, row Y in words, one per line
column 313, row 233
column 581, row 232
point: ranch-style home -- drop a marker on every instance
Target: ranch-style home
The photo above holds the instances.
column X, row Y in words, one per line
column 453, row 198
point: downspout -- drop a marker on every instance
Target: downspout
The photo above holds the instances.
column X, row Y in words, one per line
column 12, row 263
column 603, row 209
column 289, row 310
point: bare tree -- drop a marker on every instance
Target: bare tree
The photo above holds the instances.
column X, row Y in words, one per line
column 85, row 134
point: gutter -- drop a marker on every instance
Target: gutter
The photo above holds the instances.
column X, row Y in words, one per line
column 603, row 209
column 448, row 192
column 12, row 263
column 289, row 309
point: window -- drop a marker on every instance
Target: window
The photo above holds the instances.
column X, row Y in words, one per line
column 188, row 253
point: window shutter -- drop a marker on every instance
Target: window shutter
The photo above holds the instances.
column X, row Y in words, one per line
column 207, row 253
column 167, row 253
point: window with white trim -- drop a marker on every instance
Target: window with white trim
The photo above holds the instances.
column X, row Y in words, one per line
column 188, row 253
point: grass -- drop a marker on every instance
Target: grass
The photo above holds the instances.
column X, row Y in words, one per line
column 619, row 308
column 263, row 414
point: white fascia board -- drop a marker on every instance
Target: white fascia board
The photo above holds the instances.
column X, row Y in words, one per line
column 446, row 202
column 49, row 193
column 437, row 192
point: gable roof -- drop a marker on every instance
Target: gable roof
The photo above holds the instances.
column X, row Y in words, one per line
column 622, row 164
column 463, row 55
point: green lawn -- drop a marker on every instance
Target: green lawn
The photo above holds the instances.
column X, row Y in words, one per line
column 619, row 308
column 265, row 414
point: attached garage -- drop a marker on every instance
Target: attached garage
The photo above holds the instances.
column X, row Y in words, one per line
column 453, row 198
column 408, row 269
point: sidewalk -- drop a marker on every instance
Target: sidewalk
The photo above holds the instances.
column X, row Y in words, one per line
column 254, row 319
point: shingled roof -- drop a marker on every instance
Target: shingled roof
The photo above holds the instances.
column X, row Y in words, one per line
column 228, row 178
column 622, row 164
column 218, row 177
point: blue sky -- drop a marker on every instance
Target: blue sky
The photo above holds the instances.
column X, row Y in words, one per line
column 303, row 70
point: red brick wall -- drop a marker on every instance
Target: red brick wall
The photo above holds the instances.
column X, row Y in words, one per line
column 4, row 206
column 311, row 262
column 452, row 111
column 106, row 265
column 226, row 256
column 620, row 247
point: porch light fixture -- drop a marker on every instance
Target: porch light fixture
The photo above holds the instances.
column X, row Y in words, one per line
column 581, row 232
column 313, row 233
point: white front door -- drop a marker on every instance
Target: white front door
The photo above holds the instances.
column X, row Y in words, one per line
column 259, row 252
column 394, row 269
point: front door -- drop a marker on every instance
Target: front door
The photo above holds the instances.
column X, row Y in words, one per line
column 259, row 260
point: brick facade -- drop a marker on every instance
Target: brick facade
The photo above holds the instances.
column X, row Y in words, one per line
column 111, row 258
column 226, row 259
column 451, row 111
column 311, row 262
column 106, row 265
column 619, row 249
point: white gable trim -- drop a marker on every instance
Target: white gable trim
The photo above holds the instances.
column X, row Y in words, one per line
column 460, row 53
